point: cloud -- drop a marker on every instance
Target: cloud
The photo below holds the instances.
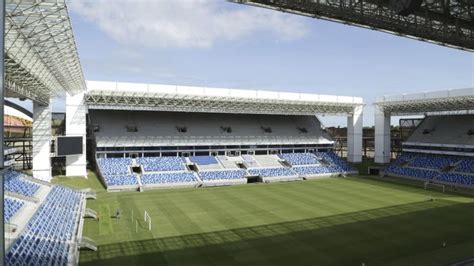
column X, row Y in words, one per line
column 185, row 23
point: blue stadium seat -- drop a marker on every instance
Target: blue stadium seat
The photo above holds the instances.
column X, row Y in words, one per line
column 114, row 166
column 222, row 175
column 121, row 180
column 466, row 166
column 456, row 178
column 14, row 182
column 11, row 207
column 168, row 178
column 299, row 158
column 158, row 164
column 272, row 172
column 47, row 236
column 412, row 172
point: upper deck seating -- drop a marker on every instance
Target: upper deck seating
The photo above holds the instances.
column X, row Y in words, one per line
column 444, row 129
column 114, row 166
column 222, row 175
column 158, row 164
column 14, row 183
column 299, row 158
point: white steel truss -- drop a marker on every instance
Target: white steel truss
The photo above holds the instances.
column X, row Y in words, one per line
column 120, row 100
column 448, row 101
column 41, row 58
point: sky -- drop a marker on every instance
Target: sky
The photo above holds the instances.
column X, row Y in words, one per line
column 221, row 44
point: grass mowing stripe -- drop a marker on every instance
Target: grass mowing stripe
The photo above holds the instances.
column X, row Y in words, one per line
column 105, row 224
column 325, row 222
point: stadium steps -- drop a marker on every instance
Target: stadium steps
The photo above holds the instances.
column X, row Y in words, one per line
column 90, row 213
column 86, row 242
column 22, row 197
column 89, row 193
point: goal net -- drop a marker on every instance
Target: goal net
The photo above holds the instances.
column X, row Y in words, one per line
column 435, row 186
column 147, row 218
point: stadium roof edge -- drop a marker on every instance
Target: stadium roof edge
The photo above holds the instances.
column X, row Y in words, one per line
column 173, row 98
column 450, row 100
column 225, row 93
column 41, row 57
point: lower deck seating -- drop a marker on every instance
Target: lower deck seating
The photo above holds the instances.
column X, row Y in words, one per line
column 168, row 178
column 58, row 217
column 299, row 158
column 465, row 166
column 412, row 172
column 433, row 161
column 272, row 172
column 121, row 180
column 314, row 170
column 158, row 164
column 435, row 167
column 31, row 250
column 10, row 208
column 221, row 175
column 114, row 166
column 456, row 178
column 335, row 161
column 14, row 182
column 49, row 235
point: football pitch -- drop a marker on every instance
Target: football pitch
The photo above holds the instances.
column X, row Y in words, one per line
column 332, row 221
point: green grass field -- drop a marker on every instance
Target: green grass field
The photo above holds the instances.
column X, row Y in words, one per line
column 323, row 222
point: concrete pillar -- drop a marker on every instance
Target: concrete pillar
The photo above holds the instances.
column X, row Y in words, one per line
column 42, row 141
column 354, row 135
column 382, row 136
column 76, row 165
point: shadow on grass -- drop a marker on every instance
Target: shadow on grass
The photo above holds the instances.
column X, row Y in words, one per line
column 375, row 237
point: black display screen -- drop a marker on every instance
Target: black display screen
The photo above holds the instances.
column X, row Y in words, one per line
column 69, row 146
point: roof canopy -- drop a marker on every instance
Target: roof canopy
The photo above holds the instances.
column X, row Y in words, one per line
column 41, row 57
column 133, row 96
column 455, row 100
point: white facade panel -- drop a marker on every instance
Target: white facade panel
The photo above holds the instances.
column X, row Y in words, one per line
column 268, row 95
column 42, row 142
column 216, row 92
column 76, row 165
column 132, row 87
column 328, row 98
column 162, row 89
column 243, row 93
column 190, row 90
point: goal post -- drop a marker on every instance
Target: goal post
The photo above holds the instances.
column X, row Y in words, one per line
column 433, row 185
column 147, row 218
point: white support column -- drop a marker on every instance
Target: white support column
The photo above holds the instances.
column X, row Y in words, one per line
column 42, row 141
column 354, row 135
column 76, row 126
column 382, row 136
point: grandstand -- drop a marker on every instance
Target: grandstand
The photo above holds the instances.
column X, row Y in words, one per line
column 43, row 222
column 224, row 139
column 151, row 136
column 441, row 149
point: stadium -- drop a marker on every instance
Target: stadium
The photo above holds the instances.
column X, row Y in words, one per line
column 151, row 174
